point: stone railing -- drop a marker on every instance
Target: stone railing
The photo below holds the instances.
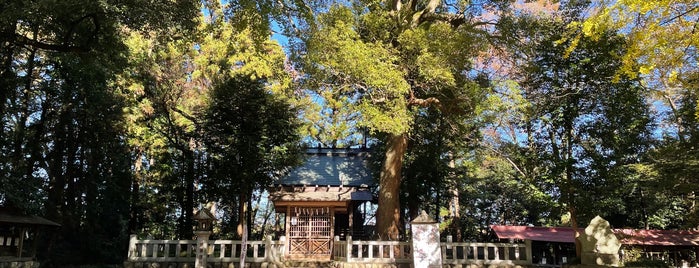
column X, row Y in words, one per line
column 371, row 251
column 161, row 250
column 481, row 254
column 225, row 251
column 348, row 251
column 486, row 253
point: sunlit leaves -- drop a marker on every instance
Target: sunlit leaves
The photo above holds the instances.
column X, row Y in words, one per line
column 339, row 58
column 662, row 34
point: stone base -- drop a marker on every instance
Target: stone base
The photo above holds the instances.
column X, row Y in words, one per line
column 482, row 266
column 595, row 259
column 146, row 264
column 369, row 265
column 19, row 264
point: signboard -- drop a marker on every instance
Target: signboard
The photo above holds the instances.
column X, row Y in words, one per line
column 426, row 251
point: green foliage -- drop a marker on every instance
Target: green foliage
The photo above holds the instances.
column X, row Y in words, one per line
column 62, row 139
column 250, row 137
column 120, row 117
column 585, row 126
column 341, row 62
column 647, row 263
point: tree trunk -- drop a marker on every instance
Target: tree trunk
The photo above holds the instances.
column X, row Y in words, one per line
column 186, row 199
column 7, row 75
column 454, row 202
column 134, row 214
column 568, row 160
column 388, row 214
column 243, row 226
column 188, row 210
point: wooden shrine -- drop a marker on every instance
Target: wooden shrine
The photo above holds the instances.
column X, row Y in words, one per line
column 321, row 199
column 18, row 236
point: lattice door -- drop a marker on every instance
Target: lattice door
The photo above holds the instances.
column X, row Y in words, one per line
column 310, row 232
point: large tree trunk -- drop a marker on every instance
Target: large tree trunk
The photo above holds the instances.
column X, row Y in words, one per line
column 388, row 214
column 569, row 137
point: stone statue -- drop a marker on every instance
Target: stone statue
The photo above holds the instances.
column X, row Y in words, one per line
column 599, row 244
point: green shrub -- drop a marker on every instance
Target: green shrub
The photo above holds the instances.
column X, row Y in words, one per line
column 647, row 263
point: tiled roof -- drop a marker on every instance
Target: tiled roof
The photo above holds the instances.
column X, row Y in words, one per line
column 332, row 167
column 626, row 236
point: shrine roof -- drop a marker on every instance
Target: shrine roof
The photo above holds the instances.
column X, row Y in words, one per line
column 535, row 233
column 332, row 167
column 7, row 216
column 657, row 237
column 626, row 236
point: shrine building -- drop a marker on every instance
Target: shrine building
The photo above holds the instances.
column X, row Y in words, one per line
column 323, row 198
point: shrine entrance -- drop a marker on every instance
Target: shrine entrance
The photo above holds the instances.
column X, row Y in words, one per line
column 310, row 232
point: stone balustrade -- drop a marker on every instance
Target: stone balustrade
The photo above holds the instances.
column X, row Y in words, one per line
column 347, row 253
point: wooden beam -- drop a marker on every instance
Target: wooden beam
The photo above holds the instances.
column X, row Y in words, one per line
column 287, row 223
column 337, row 204
column 350, row 211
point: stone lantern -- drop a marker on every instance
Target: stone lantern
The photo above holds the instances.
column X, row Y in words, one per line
column 204, row 220
column 203, row 230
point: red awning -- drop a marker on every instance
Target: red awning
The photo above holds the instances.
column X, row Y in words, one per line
column 535, row 233
column 626, row 236
column 657, row 237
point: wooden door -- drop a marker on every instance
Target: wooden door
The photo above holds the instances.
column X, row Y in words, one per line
column 310, row 232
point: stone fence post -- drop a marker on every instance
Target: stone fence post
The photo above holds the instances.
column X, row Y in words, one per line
column 426, row 250
column 132, row 246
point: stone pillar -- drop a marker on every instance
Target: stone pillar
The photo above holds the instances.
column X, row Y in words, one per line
column 202, row 248
column 426, row 249
column 132, row 246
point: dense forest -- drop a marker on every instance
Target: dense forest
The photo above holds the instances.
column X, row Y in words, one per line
column 122, row 117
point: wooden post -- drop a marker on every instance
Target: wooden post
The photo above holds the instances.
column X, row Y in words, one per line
column 351, row 216
column 331, row 211
column 35, row 233
column 287, row 226
column 335, row 241
column 21, row 242
column 528, row 249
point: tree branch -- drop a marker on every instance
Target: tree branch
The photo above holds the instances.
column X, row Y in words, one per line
column 27, row 42
column 455, row 20
column 65, row 46
column 662, row 23
column 423, row 102
column 185, row 115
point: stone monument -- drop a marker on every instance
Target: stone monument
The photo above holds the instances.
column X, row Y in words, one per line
column 599, row 244
column 426, row 251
